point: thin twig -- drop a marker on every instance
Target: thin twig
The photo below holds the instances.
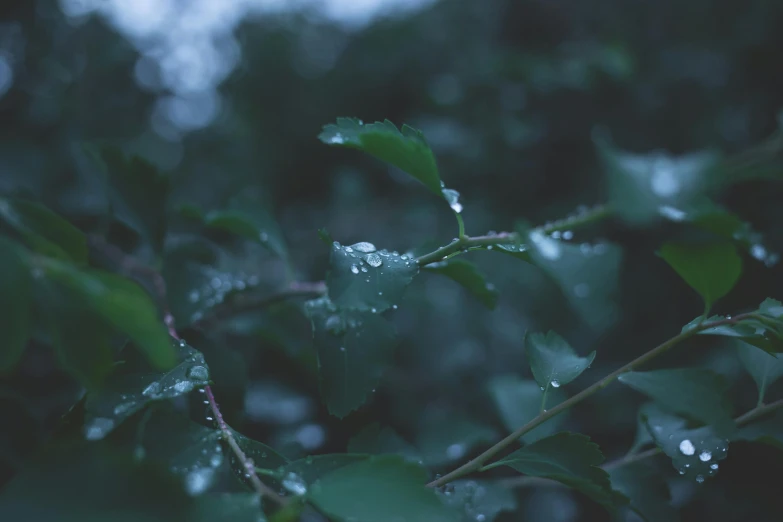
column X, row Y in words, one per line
column 745, row 418
column 476, row 463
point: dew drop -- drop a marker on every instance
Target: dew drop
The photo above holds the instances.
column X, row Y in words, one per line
column 705, row 456
column 364, row 247
column 700, row 479
column 714, row 466
column 294, row 484
column 123, row 407
column 555, row 383
column 568, row 235
column 337, row 139
column 686, row 447
column 348, row 249
column 374, row 260
column 198, row 373
column 198, row 481
column 98, row 428
column 152, row 389
column 183, row 387
column 354, row 269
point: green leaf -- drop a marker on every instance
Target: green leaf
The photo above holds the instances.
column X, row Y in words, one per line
column 374, row 440
column 553, row 362
column 647, row 491
column 520, row 251
column 467, row 274
column 695, row 453
column 771, row 308
column 16, row 289
column 364, row 279
column 709, row 216
column 568, row 458
column 446, row 436
column 139, row 194
column 712, row 269
column 92, row 483
column 478, row 500
column 406, row 150
column 135, row 384
column 82, row 344
column 354, row 349
column 694, row 392
column 764, row 367
column 766, row 431
column 587, row 275
column 190, row 450
column 380, row 489
column 233, row 507
column 120, row 302
column 520, row 401
column 768, row 337
column 639, row 184
column 299, row 475
column 654, row 411
column 44, row 231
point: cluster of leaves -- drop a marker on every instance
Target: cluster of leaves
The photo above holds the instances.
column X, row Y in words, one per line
column 112, row 337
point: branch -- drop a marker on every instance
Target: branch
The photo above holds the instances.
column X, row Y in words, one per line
column 476, row 463
column 465, row 243
column 745, row 418
column 131, row 265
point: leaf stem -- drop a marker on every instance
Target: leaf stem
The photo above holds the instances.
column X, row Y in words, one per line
column 464, row 243
column 478, row 462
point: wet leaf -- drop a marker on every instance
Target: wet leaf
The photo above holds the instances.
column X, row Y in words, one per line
column 647, row 490
column 121, row 303
column 553, row 362
column 135, row 384
column 298, row 475
column 568, row 458
column 354, row 348
column 694, row 392
column 768, row 431
column 711, row 269
column 587, row 275
column 263, row 456
column 365, row 279
column 478, row 500
column 406, row 149
column 16, row 301
column 764, row 335
column 694, row 452
column 519, row 401
column 380, row 489
column 764, row 367
column 467, row 274
column 44, row 231
column 375, row 440
column 661, row 416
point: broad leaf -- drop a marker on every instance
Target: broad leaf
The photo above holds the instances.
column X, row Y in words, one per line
column 520, row 401
column 135, row 384
column 639, row 184
column 467, row 274
column 354, row 348
column 520, row 251
column 553, row 362
column 406, row 150
column 233, row 507
column 479, row 501
column 16, row 300
column 297, row 476
column 568, row 458
column 363, row 278
column 587, row 275
column 375, row 440
column 709, row 216
column 695, row 453
column 652, row 410
column 694, row 392
column 93, row 483
column 647, row 491
column 190, row 450
column 765, row 335
column 138, row 196
column 446, row 436
column 44, row 231
column 263, row 456
column 765, row 368
column 771, row 308
column 120, row 302
column 380, row 489
column 82, row 343
column 711, row 269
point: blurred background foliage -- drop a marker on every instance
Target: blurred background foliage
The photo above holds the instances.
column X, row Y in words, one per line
column 227, row 98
